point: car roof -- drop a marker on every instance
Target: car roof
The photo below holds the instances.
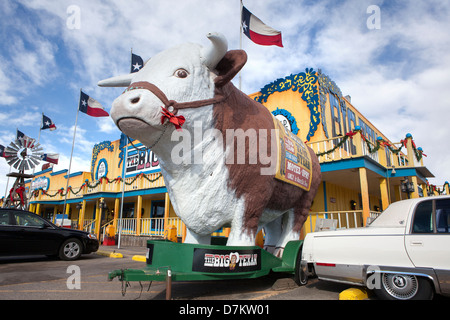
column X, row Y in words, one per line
column 396, row 215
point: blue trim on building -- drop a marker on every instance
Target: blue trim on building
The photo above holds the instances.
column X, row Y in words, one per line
column 366, row 162
column 75, row 174
column 110, row 195
column 58, row 172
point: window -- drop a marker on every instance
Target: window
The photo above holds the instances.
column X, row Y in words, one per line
column 27, row 220
column 4, row 218
column 443, row 216
column 128, row 210
column 423, row 218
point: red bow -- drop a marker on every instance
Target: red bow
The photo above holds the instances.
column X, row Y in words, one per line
column 351, row 134
column 177, row 121
column 19, row 191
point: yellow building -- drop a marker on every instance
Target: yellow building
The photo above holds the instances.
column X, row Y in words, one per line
column 362, row 170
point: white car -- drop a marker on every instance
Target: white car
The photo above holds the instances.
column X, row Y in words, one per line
column 403, row 254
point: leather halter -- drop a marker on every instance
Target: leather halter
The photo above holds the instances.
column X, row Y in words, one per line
column 219, row 97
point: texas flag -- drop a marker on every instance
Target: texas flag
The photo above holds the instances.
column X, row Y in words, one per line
column 136, row 63
column 50, row 157
column 91, row 106
column 47, row 123
column 258, row 32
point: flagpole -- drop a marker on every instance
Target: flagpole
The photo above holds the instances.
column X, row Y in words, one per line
column 39, row 139
column 240, row 42
column 70, row 164
column 123, row 190
column 10, row 167
column 34, row 168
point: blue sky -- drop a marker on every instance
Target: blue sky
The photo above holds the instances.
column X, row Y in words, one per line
column 398, row 76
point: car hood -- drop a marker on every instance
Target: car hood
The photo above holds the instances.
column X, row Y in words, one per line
column 73, row 231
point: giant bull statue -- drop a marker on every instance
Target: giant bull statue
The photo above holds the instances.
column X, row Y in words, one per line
column 185, row 93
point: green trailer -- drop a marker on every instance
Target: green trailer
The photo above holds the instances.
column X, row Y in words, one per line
column 171, row 261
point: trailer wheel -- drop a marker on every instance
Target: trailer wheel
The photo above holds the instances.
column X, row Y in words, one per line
column 300, row 277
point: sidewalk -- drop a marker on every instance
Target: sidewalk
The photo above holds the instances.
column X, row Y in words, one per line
column 136, row 253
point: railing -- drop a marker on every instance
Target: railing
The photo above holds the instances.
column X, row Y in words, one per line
column 148, row 226
column 344, row 219
column 345, row 151
column 127, row 226
column 103, row 228
column 89, row 225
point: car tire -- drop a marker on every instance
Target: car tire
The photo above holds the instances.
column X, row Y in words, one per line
column 300, row 278
column 404, row 287
column 70, row 250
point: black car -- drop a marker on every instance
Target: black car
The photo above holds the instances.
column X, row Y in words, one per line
column 26, row 233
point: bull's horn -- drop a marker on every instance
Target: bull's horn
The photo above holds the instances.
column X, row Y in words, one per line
column 214, row 53
column 119, row 81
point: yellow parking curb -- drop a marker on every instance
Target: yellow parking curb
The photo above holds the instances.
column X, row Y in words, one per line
column 354, row 294
column 116, row 255
column 139, row 258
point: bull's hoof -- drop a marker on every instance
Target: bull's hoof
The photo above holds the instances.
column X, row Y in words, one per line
column 269, row 249
column 278, row 252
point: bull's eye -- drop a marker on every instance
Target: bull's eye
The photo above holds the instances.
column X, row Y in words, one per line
column 181, row 73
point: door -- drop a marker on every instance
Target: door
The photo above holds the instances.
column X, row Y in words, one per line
column 157, row 215
column 428, row 244
column 34, row 235
column 7, row 234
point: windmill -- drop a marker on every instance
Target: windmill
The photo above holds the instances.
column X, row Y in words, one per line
column 22, row 154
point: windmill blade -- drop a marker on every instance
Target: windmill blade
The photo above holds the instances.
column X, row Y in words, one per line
column 34, row 161
column 17, row 164
column 37, row 157
column 10, row 153
column 25, row 165
column 31, row 164
column 12, row 147
column 29, row 142
column 19, row 142
column 12, row 161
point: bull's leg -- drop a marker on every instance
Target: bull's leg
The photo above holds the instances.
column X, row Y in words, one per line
column 241, row 238
column 239, row 235
column 288, row 233
column 195, row 238
column 272, row 234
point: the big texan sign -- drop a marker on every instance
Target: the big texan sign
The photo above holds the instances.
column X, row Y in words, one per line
column 185, row 95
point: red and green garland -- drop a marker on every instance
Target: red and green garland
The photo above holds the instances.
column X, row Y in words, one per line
column 94, row 185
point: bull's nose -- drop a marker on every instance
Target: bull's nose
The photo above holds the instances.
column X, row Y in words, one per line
column 135, row 100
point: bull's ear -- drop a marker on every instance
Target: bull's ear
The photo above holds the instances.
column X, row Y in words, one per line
column 229, row 66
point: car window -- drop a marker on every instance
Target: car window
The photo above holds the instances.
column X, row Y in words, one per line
column 423, row 218
column 4, row 218
column 443, row 216
column 27, row 220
